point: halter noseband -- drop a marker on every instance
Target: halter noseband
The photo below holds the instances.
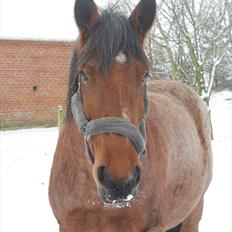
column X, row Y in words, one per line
column 115, row 125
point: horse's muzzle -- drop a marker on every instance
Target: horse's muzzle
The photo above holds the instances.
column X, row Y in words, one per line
column 114, row 197
column 117, row 191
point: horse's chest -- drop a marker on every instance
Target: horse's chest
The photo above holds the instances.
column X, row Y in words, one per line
column 107, row 220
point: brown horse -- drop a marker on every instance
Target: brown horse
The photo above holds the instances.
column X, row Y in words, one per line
column 108, row 174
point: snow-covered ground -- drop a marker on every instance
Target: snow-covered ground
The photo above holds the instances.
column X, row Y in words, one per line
column 217, row 214
column 26, row 157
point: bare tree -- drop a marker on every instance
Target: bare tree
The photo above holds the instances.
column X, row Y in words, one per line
column 193, row 39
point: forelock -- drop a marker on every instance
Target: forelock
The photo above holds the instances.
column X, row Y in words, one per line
column 112, row 36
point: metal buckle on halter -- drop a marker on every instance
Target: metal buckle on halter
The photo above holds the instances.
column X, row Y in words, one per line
column 87, row 137
column 79, row 85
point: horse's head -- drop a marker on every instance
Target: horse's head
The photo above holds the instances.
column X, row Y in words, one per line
column 112, row 70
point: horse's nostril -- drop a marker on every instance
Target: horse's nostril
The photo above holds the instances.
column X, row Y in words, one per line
column 104, row 178
column 137, row 174
column 132, row 183
column 101, row 174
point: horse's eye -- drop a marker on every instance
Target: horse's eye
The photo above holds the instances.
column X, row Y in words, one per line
column 147, row 77
column 83, row 76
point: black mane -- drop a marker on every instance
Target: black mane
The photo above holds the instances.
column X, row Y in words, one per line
column 112, row 35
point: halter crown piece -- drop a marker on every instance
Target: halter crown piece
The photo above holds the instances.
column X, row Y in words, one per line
column 115, row 125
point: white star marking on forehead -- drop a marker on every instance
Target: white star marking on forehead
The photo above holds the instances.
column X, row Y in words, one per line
column 121, row 58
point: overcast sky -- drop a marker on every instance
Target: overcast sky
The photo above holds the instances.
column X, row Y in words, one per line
column 38, row 19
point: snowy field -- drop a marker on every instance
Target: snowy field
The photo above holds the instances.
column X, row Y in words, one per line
column 26, row 157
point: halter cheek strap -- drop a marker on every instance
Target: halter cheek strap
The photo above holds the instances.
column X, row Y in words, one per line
column 114, row 125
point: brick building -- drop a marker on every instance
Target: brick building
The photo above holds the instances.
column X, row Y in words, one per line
column 33, row 81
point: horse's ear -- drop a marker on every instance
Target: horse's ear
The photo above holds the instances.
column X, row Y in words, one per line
column 86, row 16
column 143, row 16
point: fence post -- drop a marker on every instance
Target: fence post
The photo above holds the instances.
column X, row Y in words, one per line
column 211, row 124
column 60, row 118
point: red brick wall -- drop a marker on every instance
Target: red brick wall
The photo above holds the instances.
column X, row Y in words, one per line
column 24, row 64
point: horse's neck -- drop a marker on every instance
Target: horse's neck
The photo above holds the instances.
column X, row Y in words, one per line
column 74, row 145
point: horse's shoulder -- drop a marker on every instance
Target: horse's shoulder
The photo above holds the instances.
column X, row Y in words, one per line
column 178, row 92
